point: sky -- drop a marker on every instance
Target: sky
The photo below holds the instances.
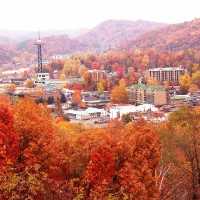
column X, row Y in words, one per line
column 34, row 15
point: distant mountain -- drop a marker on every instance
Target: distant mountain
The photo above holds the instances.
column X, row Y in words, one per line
column 122, row 34
column 106, row 34
column 60, row 44
column 174, row 37
column 7, row 41
column 27, row 50
column 111, row 33
column 21, row 36
column 73, row 33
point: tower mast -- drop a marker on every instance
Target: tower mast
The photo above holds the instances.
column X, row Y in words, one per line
column 39, row 43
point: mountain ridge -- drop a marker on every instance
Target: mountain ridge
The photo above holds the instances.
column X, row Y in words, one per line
column 111, row 34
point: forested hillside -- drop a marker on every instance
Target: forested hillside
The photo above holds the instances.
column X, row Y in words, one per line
column 113, row 32
column 172, row 45
column 45, row 158
column 60, row 44
column 172, row 38
column 107, row 34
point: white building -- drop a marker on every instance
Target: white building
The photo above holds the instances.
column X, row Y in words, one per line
column 42, row 78
column 118, row 111
column 170, row 74
column 86, row 114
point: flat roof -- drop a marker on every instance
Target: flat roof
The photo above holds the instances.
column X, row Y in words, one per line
column 179, row 97
column 84, row 112
column 167, row 69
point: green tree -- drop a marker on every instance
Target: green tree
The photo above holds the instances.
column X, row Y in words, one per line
column 126, row 118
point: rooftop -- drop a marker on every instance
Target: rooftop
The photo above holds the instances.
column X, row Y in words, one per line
column 167, row 69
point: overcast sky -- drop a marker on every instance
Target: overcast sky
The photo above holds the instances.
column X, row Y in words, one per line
column 36, row 15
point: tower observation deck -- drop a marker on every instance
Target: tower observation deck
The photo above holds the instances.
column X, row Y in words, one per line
column 39, row 43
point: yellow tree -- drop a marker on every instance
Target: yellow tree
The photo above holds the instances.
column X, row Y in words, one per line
column 132, row 80
column 86, row 79
column 67, row 69
column 196, row 78
column 16, row 59
column 77, row 96
column 62, row 76
column 185, row 81
column 29, row 83
column 195, row 67
column 100, row 88
column 15, row 100
column 122, row 82
column 183, row 143
column 120, row 95
column 39, row 86
column 166, row 84
column 152, row 81
column 82, row 69
column 168, row 60
column 64, row 85
column 130, row 70
column 10, row 87
column 145, row 61
column 193, row 87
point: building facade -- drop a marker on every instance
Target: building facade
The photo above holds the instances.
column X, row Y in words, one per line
column 42, row 78
column 117, row 111
column 169, row 74
column 153, row 94
column 97, row 75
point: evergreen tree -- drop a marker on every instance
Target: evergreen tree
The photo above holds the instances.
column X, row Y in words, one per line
column 40, row 100
column 50, row 100
column 63, row 98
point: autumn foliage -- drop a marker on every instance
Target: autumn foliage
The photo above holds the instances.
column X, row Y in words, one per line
column 42, row 158
column 179, row 170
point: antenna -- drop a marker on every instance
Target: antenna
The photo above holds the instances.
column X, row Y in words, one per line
column 39, row 34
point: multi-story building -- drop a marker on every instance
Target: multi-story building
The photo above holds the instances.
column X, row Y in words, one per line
column 170, row 74
column 97, row 75
column 42, row 78
column 153, row 94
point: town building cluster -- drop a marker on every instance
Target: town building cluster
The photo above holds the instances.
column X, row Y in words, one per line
column 150, row 102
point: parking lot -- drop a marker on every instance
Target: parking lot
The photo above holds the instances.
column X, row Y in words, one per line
column 90, row 121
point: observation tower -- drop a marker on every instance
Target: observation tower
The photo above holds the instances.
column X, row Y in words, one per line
column 39, row 43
